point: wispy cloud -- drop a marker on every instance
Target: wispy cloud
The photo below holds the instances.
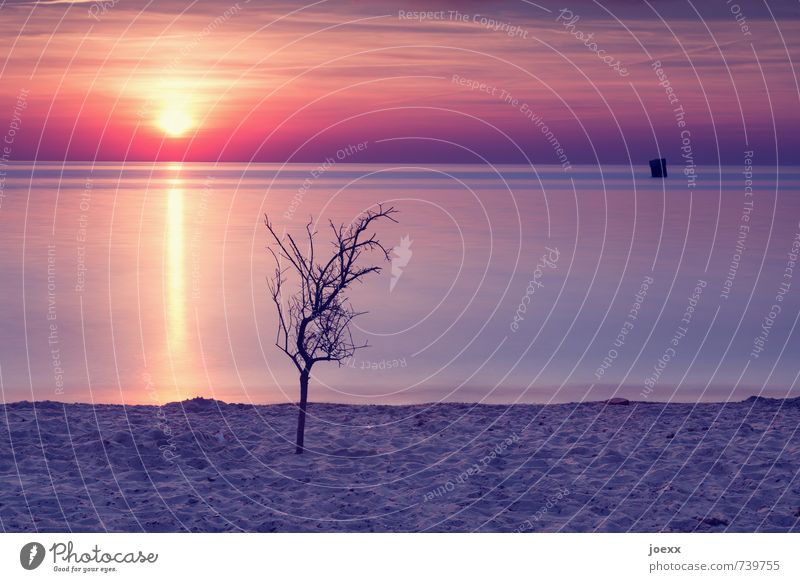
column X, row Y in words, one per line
column 246, row 68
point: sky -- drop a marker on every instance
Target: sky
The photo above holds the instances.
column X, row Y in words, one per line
column 274, row 82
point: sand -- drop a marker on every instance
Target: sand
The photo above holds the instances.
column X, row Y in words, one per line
column 203, row 465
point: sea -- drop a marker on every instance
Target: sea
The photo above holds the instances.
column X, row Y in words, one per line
column 146, row 283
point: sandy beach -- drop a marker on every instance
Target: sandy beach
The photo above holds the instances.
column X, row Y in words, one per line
column 203, row 465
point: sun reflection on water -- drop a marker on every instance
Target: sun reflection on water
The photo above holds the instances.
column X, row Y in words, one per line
column 175, row 278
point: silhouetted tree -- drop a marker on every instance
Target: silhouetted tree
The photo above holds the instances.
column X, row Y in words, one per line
column 314, row 321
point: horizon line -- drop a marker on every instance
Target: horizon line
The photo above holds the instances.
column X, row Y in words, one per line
column 345, row 162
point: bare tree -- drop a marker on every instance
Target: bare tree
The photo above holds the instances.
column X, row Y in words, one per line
column 314, row 321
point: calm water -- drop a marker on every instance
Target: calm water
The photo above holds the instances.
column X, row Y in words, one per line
column 145, row 283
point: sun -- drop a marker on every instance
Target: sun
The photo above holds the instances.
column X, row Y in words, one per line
column 175, row 121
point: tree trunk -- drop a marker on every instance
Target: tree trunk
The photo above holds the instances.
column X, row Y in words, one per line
column 301, row 418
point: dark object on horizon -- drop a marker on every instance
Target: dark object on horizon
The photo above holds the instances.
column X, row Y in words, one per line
column 658, row 168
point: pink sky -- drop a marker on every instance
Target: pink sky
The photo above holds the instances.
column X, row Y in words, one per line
column 260, row 82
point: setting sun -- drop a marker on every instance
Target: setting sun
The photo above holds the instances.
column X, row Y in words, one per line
column 174, row 121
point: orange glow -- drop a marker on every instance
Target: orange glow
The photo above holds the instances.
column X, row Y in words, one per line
column 174, row 120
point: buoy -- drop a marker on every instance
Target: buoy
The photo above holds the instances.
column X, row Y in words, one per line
column 658, row 168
